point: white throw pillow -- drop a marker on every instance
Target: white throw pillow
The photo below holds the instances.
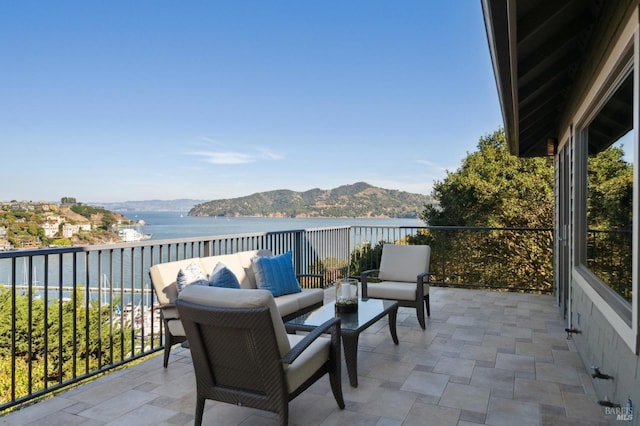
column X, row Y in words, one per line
column 192, row 274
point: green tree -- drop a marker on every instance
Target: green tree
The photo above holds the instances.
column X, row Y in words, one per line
column 37, row 340
column 610, row 219
column 365, row 257
column 610, row 183
column 108, row 220
column 494, row 189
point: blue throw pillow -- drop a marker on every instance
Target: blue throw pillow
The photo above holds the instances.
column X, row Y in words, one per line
column 192, row 274
column 223, row 277
column 276, row 274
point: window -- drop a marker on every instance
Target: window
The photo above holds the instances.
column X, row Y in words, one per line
column 610, row 152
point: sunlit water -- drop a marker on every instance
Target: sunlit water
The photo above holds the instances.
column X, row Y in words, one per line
column 170, row 225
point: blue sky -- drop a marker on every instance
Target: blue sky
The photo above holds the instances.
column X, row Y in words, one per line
column 137, row 100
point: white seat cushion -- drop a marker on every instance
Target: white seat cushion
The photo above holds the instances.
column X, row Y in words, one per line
column 310, row 296
column 394, row 290
column 308, row 362
column 290, row 303
column 287, row 304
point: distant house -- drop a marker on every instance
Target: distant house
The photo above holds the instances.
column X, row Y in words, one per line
column 69, row 230
column 5, row 245
column 50, row 229
column 3, row 232
column 567, row 78
column 52, row 225
column 54, row 218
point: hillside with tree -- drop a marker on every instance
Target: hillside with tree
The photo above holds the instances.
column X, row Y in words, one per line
column 37, row 224
column 357, row 200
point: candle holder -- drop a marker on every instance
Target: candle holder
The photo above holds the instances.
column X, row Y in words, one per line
column 346, row 295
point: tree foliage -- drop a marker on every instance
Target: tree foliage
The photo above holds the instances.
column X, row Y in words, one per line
column 610, row 190
column 60, row 341
column 497, row 190
column 610, row 219
column 494, row 188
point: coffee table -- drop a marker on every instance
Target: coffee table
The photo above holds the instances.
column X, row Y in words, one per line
column 351, row 325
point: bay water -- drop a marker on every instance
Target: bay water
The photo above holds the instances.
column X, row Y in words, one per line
column 167, row 225
column 171, row 225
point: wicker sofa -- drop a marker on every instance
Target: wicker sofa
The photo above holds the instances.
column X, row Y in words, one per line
column 163, row 277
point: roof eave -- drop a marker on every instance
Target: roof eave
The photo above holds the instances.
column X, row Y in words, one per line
column 500, row 26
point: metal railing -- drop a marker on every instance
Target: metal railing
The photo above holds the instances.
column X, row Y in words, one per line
column 609, row 257
column 513, row 259
column 68, row 314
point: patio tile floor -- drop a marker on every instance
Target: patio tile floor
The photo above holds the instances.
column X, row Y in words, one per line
column 485, row 358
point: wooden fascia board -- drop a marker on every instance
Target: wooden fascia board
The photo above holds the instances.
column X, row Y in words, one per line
column 497, row 16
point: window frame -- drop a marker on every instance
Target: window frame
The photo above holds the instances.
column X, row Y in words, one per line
column 622, row 60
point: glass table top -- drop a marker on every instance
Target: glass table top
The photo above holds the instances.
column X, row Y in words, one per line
column 369, row 311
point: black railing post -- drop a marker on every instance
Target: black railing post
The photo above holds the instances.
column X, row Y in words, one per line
column 298, row 252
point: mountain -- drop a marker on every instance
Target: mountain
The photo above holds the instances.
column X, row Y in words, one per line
column 357, row 200
column 151, row 205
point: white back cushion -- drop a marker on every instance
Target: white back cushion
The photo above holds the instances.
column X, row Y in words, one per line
column 229, row 260
column 404, row 262
column 238, row 263
column 163, row 277
column 239, row 298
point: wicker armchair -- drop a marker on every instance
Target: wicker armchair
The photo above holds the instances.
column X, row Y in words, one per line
column 403, row 276
column 242, row 354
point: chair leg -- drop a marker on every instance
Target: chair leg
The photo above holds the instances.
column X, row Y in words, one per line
column 284, row 414
column 168, row 342
column 426, row 302
column 199, row 411
column 167, row 350
column 336, row 387
column 420, row 310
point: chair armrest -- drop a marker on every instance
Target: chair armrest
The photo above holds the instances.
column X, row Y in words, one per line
column 163, row 306
column 365, row 274
column 369, row 272
column 311, row 337
column 363, row 281
column 427, row 275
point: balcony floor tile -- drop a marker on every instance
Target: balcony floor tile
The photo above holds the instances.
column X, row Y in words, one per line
column 485, row 358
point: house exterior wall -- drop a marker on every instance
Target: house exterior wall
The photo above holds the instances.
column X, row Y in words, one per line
column 606, row 338
column 600, row 345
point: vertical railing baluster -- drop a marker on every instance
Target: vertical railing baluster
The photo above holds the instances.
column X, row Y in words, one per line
column 29, row 274
column 122, row 304
column 111, row 307
column 87, row 316
column 46, row 321
column 13, row 328
column 75, row 314
column 60, row 322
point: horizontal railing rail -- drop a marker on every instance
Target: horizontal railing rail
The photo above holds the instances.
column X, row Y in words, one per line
column 513, row 259
column 71, row 313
